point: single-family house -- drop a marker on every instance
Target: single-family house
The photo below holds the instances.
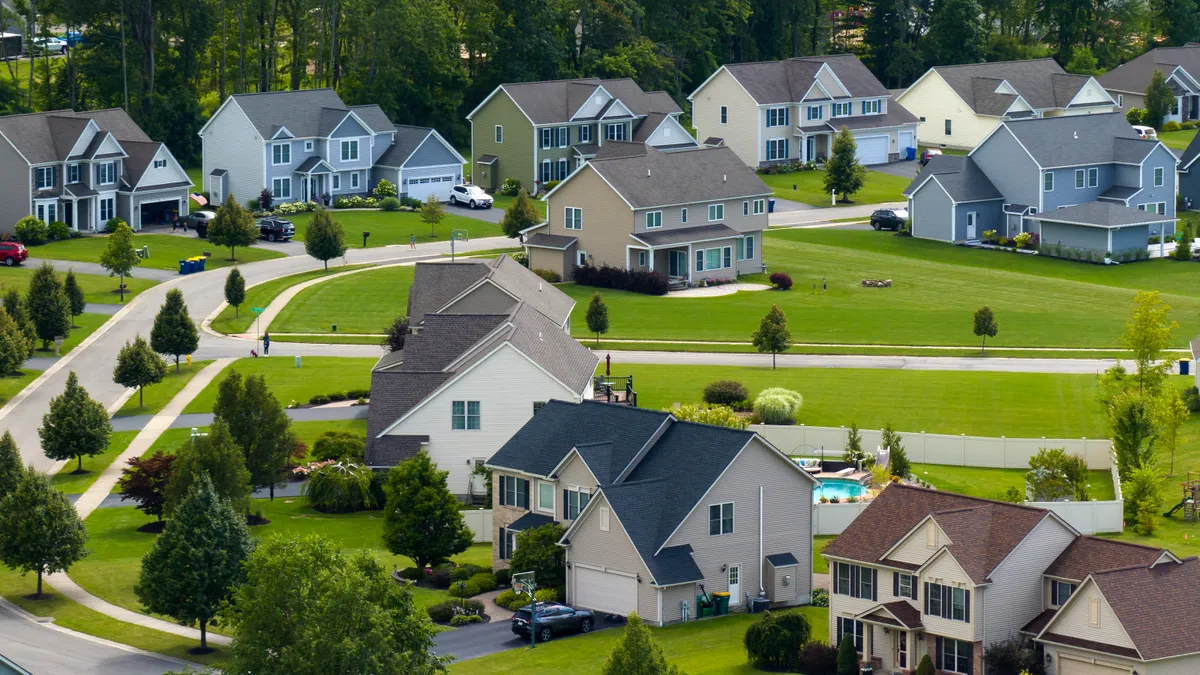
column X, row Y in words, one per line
column 490, row 345
column 1127, row 82
column 692, row 215
column 958, row 106
column 788, row 111
column 308, row 145
column 538, row 132
column 922, row 572
column 1078, row 183
column 657, row 510
column 1188, row 175
column 83, row 168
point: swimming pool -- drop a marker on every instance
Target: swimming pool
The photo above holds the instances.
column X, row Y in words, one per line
column 836, row 487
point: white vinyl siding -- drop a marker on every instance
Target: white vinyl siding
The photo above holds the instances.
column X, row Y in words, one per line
column 465, row 415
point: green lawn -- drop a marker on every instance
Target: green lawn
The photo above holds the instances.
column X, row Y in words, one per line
column 810, row 188
column 397, row 226
column 317, row 375
column 10, row 385
column 240, row 320
column 364, row 302
column 196, row 175
column 166, row 250
column 156, row 397
column 992, row 483
column 708, row 647
column 85, row 325
column 820, row 564
column 1176, row 139
column 946, row 402
column 306, row 433
column 502, row 202
column 70, row 483
column 1038, row 302
column 96, row 288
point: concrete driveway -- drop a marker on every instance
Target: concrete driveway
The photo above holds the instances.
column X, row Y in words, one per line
column 902, row 169
column 471, row 642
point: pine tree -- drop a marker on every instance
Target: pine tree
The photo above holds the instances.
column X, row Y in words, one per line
column 216, row 455
column 234, row 226
column 138, row 366
column 520, row 215
column 119, row 256
column 985, row 325
column 1083, row 62
column 843, row 173
column 235, row 290
column 956, row 33
column 853, row 453
column 196, row 563
column 14, row 348
column 11, row 468
column 48, row 305
column 39, row 529
column 74, row 295
column 597, row 316
column 174, row 332
column 1183, row 248
column 421, row 519
column 432, row 212
column 772, row 334
column 636, row 653
column 898, row 462
column 325, row 238
column 77, row 426
column 19, row 312
column 1159, row 99
column 258, row 424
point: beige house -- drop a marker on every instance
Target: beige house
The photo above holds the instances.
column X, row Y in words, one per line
column 690, row 214
column 958, row 106
column 1127, row 82
column 655, row 508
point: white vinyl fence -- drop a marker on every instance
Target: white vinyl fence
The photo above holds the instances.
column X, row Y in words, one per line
column 480, row 522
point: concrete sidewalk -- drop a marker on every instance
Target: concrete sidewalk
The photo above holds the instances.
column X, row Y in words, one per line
column 990, row 364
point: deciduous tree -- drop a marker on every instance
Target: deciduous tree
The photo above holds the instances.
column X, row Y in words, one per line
column 325, row 238
column 772, row 335
column 985, row 325
column 421, row 519
column 538, row 552
column 1148, row 335
column 259, row 426
column 138, row 365
column 597, row 316
column 1159, row 98
column 1134, row 431
column 174, row 332
column 74, row 295
column 11, row 468
column 48, row 305
column 14, row 347
column 1172, row 411
column 145, row 482
column 19, row 312
column 77, row 425
column 119, row 256
column 843, row 172
column 39, row 529
column 234, row 226
column 216, row 455
column 235, row 290
column 520, row 215
column 432, row 212
column 395, row 334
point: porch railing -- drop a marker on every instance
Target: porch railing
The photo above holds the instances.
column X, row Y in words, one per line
column 614, row 389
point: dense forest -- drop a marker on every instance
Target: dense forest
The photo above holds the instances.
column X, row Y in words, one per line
column 429, row 62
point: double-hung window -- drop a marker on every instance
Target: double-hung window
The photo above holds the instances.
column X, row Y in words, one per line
column 954, row 656
column 872, row 107
column 547, row 138
column 73, row 172
column 547, row 169
column 585, row 134
column 281, row 188
column 337, row 181
column 574, row 499
column 714, row 258
column 1159, row 176
column 777, row 117
column 683, row 215
column 464, row 415
column 948, row 602
column 777, row 148
column 546, row 497
column 760, row 206
column 1080, row 180
column 354, row 180
column 499, row 134
column 745, row 248
column 642, row 258
column 45, row 177
column 1093, row 177
column 562, row 168
column 281, row 153
column 106, row 173
column 716, row 212
column 848, row 626
column 844, row 109
column 814, row 112
column 107, row 208
column 949, row 127
column 720, row 519
column 856, row 581
column 1048, row 182
column 564, row 137
column 614, row 132
column 724, row 114
column 904, row 585
column 573, row 218
column 653, row 219
column 514, row 492
column 1060, row 592
column 350, row 151
column 746, row 208
column 47, row 212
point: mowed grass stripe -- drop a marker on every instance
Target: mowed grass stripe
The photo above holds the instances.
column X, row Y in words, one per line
column 365, row 302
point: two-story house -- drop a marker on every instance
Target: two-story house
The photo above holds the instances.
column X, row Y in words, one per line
column 692, row 215
column 538, row 132
column 958, row 106
column 1127, row 82
column 788, row 111
column 657, row 510
column 83, row 168
column 922, row 572
column 1084, row 183
column 491, row 344
column 308, row 145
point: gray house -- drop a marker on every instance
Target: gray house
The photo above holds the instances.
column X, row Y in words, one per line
column 1180, row 65
column 305, row 145
column 655, row 508
column 1079, row 183
column 83, row 168
column 1189, row 176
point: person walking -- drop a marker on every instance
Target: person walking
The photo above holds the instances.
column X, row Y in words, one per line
column 412, row 242
column 266, row 344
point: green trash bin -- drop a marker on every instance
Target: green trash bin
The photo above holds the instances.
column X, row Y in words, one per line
column 702, row 610
column 721, row 599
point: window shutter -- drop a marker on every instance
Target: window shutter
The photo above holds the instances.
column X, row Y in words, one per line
column 566, row 513
column 926, row 597
column 854, row 579
column 938, row 653
column 503, row 544
column 874, row 584
column 1054, row 592
column 970, row 656
column 967, row 609
column 503, row 482
column 947, row 602
column 896, row 584
column 523, row 493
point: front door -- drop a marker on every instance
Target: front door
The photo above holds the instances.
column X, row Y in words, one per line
column 735, row 584
column 810, row 151
column 971, row 225
column 676, row 264
column 901, row 656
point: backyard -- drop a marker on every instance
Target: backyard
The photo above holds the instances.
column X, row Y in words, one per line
column 809, row 188
column 317, row 375
column 358, row 303
column 397, row 227
column 1177, row 140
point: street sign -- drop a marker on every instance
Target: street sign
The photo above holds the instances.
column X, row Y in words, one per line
column 258, row 310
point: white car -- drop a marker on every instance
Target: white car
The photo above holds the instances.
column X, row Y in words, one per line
column 1146, row 133
column 52, row 45
column 471, row 195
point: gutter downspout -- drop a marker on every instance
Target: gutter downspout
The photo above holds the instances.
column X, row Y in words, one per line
column 760, row 539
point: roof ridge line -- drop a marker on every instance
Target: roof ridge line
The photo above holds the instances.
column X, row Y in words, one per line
column 982, row 500
column 1122, row 543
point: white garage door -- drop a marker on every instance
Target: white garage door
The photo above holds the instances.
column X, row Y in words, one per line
column 421, row 188
column 872, row 149
column 605, row 591
column 1073, row 667
column 905, row 140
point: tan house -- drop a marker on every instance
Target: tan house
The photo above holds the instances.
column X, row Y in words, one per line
column 692, row 215
column 1127, row 82
column 655, row 509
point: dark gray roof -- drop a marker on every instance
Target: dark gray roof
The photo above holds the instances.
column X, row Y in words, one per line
column 1081, row 139
column 393, row 394
column 553, row 101
column 391, row 450
column 1134, row 76
column 515, row 278
column 408, row 139
column 305, row 113
column 787, row 81
column 445, row 337
column 684, row 235
column 529, row 521
column 782, row 559
column 218, row 172
column 555, row 241
column 139, row 157
column 312, row 163
column 49, row 136
column 163, row 186
column 1189, row 154
column 959, row 176
column 435, row 284
column 79, row 190
column 586, row 149
column 649, row 177
column 895, row 116
column 374, row 117
column 1121, row 192
column 648, row 126
column 1101, row 214
column 1041, row 82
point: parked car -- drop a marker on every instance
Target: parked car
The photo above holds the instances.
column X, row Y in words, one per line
column 471, row 195
column 276, row 229
column 13, row 253
column 1146, row 133
column 198, row 221
column 72, row 38
column 52, row 45
column 552, row 619
column 889, row 219
column 928, row 155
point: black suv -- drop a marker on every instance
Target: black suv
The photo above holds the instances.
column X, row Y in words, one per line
column 276, row 229
column 888, row 219
column 553, row 619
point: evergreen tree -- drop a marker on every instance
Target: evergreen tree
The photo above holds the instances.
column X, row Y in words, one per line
column 258, row 425
column 957, row 34
column 138, row 366
column 174, row 332
column 216, row 455
column 39, row 529
column 119, row 256
column 11, row 468
column 772, row 334
column 235, row 290
column 1134, row 430
column 636, row 653
column 17, row 310
column 196, row 563
column 1183, row 247
column 14, row 348
column 985, row 325
column 1083, row 62
column 925, row 667
column 854, row 452
column 395, row 334
column 48, row 305
column 74, row 295
column 897, row 457
column 843, row 173
column 847, row 657
column 325, row 238
column 1159, row 100
column 234, row 226
column 421, row 519
column 145, row 482
column 432, row 213
column 597, row 316
column 77, row 426
column 520, row 215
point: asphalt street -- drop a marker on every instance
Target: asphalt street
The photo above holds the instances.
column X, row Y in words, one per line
column 472, row 642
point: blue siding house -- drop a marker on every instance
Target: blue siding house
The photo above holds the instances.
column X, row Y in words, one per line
column 1086, row 184
column 310, row 146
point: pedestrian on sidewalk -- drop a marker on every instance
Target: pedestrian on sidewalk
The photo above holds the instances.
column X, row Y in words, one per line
column 266, row 344
column 412, row 242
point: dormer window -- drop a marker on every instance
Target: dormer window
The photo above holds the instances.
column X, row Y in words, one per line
column 574, row 501
column 1060, row 592
column 873, row 107
column 842, row 109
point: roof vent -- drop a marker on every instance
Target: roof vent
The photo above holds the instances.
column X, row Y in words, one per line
column 724, row 178
column 1075, row 134
column 539, row 335
column 647, row 173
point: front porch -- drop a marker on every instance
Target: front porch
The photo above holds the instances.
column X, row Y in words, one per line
column 314, row 180
column 893, row 637
column 688, row 256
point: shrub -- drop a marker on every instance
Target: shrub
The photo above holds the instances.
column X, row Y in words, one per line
column 1171, row 126
column 464, row 589
column 512, row 600
column 444, row 612
column 1054, row 474
column 847, row 657
column 548, row 275
column 510, row 187
column 252, row 205
column 458, row 620
column 818, row 659
column 411, row 202
column 440, row 578
column 111, row 224
column 725, row 392
column 635, row 281
column 412, row 573
column 925, row 667
column 486, row 581
column 716, row 415
column 820, row 597
column 1022, row 240
column 58, row 231
column 289, row 208
column 465, row 572
column 341, row 487
column 546, row 594
column 1191, row 396
column 358, row 393
column 520, row 257
column 384, row 190
column 551, row 185
column 781, row 280
column 1010, row 656
column 389, row 204
column 777, row 405
column 1135, row 115
column 1188, row 125
column 319, row 399
column 338, row 445
column 336, row 396
column 503, row 577
column 31, row 231
column 773, row 642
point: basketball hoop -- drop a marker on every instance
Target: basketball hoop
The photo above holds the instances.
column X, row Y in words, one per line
column 524, row 582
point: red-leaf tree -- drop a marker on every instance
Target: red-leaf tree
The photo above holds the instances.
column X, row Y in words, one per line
column 145, row 482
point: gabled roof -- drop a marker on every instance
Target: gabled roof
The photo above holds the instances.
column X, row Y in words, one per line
column 49, row 136
column 139, row 156
column 305, row 113
column 408, row 139
column 787, row 81
column 645, row 177
column 1041, row 82
column 1189, row 154
column 1089, row 554
column 437, row 284
column 374, row 117
column 1134, row 75
column 1073, row 140
column 959, row 176
column 1101, row 214
column 556, row 101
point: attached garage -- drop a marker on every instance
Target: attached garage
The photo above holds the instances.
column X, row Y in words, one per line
column 159, row 212
column 872, row 149
column 905, row 140
column 421, row 187
column 604, row 591
column 1069, row 666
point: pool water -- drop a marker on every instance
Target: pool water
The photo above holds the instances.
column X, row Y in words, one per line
column 842, row 489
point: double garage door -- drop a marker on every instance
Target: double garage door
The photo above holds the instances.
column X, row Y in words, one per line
column 421, row 188
column 1070, row 666
column 606, row 592
column 872, row 149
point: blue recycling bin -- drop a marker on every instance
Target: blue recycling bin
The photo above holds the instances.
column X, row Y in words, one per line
column 912, row 154
column 201, row 262
column 770, row 206
column 183, row 267
column 192, row 266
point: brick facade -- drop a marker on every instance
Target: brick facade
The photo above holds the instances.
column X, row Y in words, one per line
column 502, row 516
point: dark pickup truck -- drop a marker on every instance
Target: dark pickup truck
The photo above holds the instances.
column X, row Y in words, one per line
column 276, row 229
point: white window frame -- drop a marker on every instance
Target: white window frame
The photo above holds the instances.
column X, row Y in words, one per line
column 1080, row 179
column 953, row 668
column 777, row 117
column 1120, row 100
column 106, row 173
column 541, row 506
column 843, row 109
column 350, row 144
column 46, row 211
column 872, row 107
column 1160, row 176
column 580, row 258
column 814, row 112
column 277, row 185
column 912, row 585
column 719, row 210
column 562, row 168
column 160, row 163
column 948, row 128
column 1093, row 177
column 618, row 137
column 760, row 207
column 746, row 207
column 499, row 134
column 1050, row 175
column 683, row 215
column 564, row 137
column 721, row 518
column 278, row 150
column 547, row 173
column 111, row 203
column 724, row 114
column 1162, row 208
column 354, row 180
column 44, row 177
column 577, row 499
column 337, row 181
column 465, row 415
column 642, row 257
column 547, row 137
column 777, row 148
column 745, row 247
column 573, row 218
column 585, row 134
column 308, row 146
column 653, row 220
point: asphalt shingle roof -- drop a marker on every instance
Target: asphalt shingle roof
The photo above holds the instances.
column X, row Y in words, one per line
column 408, row 139
column 529, row 521
column 960, row 176
column 687, row 234
column 788, row 80
column 1164, row 630
column 1041, row 82
column 654, row 178
column 435, row 284
column 306, row 112
column 139, row 156
column 782, row 559
column 896, row 115
column 1089, row 554
column 555, row 241
column 1072, row 140
column 374, row 117
column 1101, row 214
column 553, row 101
column 1134, row 75
column 1190, row 153
column 49, row 136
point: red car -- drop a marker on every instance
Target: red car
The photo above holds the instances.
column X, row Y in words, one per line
column 12, row 253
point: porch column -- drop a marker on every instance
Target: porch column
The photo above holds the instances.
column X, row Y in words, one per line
column 689, row 264
column 650, row 258
column 75, row 214
column 868, row 639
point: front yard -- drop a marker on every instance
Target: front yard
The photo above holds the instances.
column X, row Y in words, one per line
column 317, row 375
column 365, row 302
column 1177, row 140
column 810, row 188
column 396, row 227
column 166, row 250
column 96, row 288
